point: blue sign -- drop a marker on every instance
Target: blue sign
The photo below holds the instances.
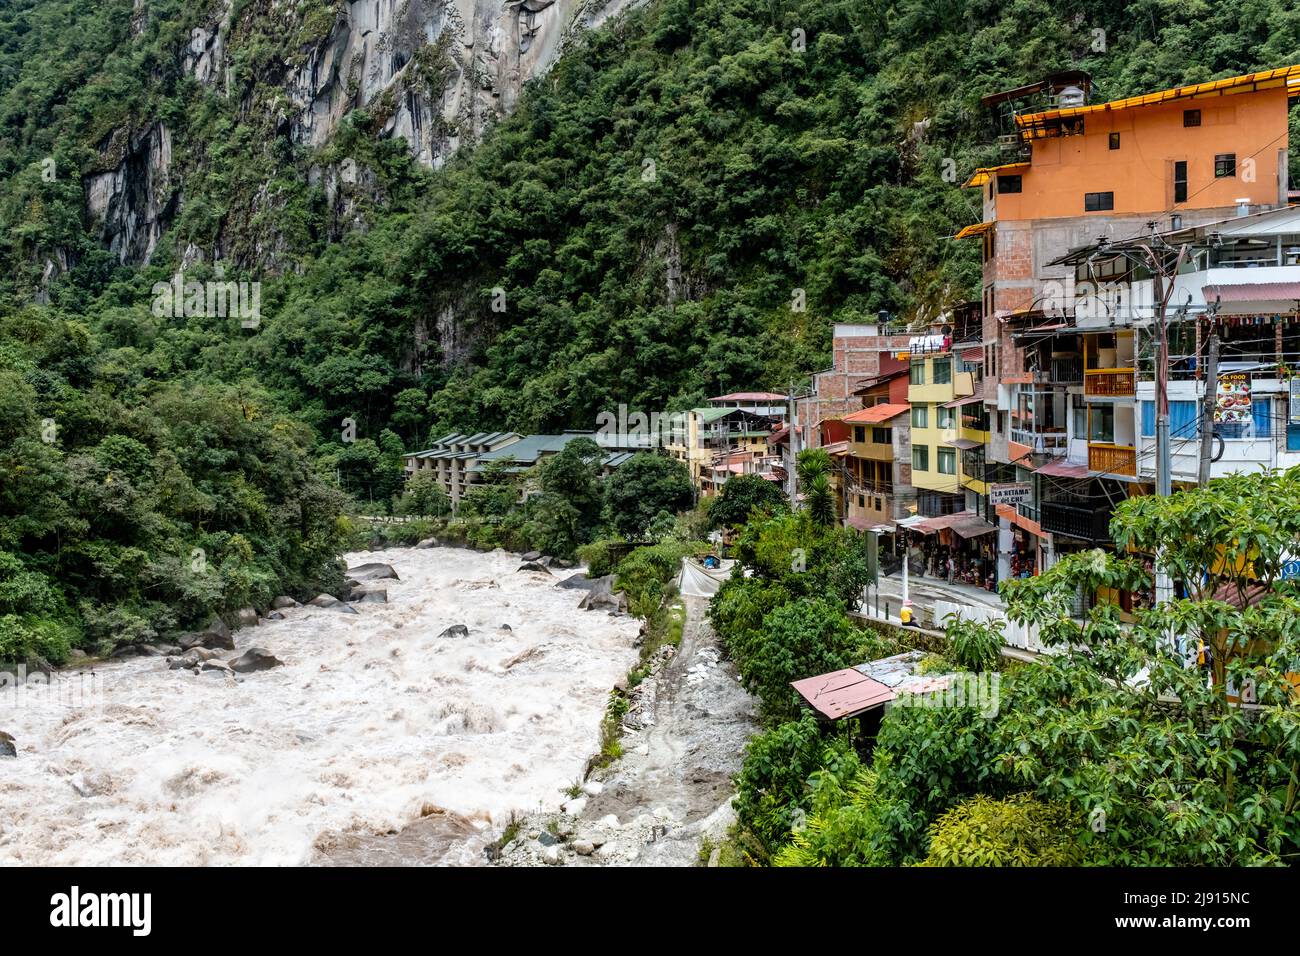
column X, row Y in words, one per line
column 1291, row 570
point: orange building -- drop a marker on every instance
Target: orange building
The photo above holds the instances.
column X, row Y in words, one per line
column 1076, row 172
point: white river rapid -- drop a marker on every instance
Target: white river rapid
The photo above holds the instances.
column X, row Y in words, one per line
column 372, row 720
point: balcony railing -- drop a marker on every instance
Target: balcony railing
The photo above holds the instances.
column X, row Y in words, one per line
column 1044, row 442
column 1066, row 371
column 1113, row 459
column 1078, row 521
column 1110, row 383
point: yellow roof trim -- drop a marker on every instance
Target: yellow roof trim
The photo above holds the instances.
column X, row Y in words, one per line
column 1288, row 76
column 976, row 230
column 985, row 173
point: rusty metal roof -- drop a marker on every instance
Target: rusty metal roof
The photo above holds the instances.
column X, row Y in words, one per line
column 842, row 693
column 876, row 414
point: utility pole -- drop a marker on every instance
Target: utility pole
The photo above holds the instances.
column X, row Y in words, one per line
column 1211, row 397
column 792, row 482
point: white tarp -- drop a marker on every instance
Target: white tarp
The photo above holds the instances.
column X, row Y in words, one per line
column 695, row 580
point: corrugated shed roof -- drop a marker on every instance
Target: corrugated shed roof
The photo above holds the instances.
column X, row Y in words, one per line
column 876, row 414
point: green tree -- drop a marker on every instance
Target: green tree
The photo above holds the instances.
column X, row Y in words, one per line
column 424, row 497
column 644, row 486
column 740, row 497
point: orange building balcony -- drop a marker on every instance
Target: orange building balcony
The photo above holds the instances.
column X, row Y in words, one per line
column 1109, row 383
column 1113, row 459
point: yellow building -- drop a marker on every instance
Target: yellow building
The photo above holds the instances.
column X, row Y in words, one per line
column 939, row 381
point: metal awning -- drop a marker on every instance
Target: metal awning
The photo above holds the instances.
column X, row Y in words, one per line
column 976, row 230
column 964, row 444
column 915, row 523
column 972, row 527
column 842, row 693
column 982, row 175
column 959, row 402
column 1062, row 469
column 1252, row 292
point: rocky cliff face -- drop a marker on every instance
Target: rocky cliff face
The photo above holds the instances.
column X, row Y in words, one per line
column 437, row 71
column 133, row 198
column 433, row 72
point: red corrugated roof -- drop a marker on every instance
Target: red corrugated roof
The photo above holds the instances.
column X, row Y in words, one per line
column 875, row 414
column 842, row 693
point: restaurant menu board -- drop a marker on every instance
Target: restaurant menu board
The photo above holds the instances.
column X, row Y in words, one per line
column 1232, row 401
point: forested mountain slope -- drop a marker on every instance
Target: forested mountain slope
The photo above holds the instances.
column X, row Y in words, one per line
column 634, row 231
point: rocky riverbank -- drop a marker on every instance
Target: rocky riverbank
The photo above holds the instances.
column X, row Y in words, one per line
column 669, row 796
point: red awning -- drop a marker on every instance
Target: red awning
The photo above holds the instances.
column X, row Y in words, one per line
column 1252, row 291
column 975, row 354
column 1060, row 468
column 842, row 693
column 875, row 414
column 959, row 402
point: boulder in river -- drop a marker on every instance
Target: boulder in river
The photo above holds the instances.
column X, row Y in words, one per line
column 373, row 572
column 191, row 658
column 530, row 556
column 330, row 602
column 215, row 666
column 428, row 543
column 8, row 746
column 456, row 630
column 246, row 617
column 254, row 659
column 216, row 634
column 359, row 592
column 377, row 596
column 282, row 602
column 275, row 616
column 579, row 581
column 603, row 595
column 534, row 566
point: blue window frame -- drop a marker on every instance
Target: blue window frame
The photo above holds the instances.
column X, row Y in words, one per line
column 1261, row 410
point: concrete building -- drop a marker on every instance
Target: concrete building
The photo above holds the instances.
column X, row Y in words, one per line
column 1067, row 334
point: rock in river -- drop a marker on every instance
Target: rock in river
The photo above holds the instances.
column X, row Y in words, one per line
column 373, row 572
column 254, row 659
column 7, row 748
column 456, row 630
column 330, row 602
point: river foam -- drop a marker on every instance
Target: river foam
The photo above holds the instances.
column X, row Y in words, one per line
column 373, row 722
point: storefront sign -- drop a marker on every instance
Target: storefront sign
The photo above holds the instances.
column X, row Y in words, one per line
column 1010, row 494
column 1232, row 400
column 1293, row 417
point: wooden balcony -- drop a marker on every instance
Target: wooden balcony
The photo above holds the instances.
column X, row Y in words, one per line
column 1113, row 459
column 1109, row 383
